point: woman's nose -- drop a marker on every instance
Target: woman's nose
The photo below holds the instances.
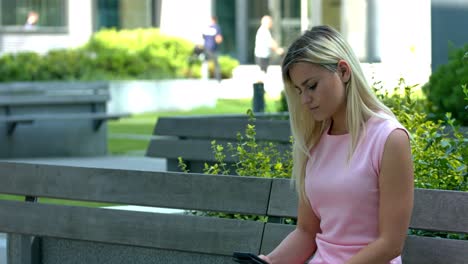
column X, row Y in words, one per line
column 305, row 98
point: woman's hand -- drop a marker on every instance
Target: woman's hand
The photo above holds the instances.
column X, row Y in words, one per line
column 265, row 258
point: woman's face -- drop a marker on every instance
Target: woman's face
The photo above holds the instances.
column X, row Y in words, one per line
column 322, row 91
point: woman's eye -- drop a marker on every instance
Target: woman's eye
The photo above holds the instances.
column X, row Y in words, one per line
column 312, row 87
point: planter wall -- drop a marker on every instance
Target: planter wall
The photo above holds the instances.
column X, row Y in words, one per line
column 162, row 95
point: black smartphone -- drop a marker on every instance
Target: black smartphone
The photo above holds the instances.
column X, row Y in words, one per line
column 245, row 257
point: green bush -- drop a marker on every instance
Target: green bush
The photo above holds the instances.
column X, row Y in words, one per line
column 26, row 66
column 440, row 150
column 283, row 104
column 444, row 87
column 109, row 55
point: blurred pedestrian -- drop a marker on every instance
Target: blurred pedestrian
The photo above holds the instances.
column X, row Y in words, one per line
column 265, row 44
column 31, row 20
column 213, row 37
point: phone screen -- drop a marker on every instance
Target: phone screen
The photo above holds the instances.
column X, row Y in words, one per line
column 245, row 257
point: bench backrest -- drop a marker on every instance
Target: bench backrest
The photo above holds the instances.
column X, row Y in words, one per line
column 195, row 236
column 191, row 137
column 22, row 94
column 59, row 119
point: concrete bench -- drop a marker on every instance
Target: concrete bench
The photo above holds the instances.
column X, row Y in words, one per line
column 43, row 119
column 57, row 233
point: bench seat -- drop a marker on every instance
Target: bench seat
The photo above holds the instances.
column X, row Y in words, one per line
column 69, row 232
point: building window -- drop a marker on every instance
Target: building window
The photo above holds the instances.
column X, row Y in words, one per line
column 127, row 14
column 33, row 14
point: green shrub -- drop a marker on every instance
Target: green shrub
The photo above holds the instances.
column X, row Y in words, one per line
column 444, row 87
column 63, row 64
column 283, row 104
column 139, row 53
column 440, row 151
column 109, row 55
column 25, row 66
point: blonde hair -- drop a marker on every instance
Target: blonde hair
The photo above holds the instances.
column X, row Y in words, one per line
column 324, row 46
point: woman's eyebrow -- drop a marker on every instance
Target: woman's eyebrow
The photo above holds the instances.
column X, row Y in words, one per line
column 304, row 83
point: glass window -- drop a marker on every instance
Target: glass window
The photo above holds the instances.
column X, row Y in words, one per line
column 126, row 14
column 38, row 14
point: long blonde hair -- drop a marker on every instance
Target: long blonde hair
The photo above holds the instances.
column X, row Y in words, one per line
column 324, row 46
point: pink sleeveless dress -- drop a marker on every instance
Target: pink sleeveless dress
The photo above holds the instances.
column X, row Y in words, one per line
column 345, row 195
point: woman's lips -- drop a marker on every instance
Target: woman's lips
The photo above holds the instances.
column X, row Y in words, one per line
column 313, row 108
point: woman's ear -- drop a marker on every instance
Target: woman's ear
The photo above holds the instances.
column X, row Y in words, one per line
column 344, row 71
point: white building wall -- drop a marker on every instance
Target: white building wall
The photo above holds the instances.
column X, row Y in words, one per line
column 185, row 18
column 404, row 39
column 80, row 28
column 80, row 21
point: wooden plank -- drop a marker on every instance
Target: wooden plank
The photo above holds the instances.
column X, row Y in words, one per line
column 192, row 149
column 423, row 250
column 222, row 128
column 14, row 100
column 247, row 195
column 433, row 209
column 195, row 149
column 94, row 87
column 61, row 116
column 440, row 210
column 273, row 235
column 283, row 199
column 178, row 232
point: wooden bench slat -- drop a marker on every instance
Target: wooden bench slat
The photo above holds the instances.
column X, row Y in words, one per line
column 273, row 234
column 440, row 210
column 41, row 87
column 71, row 116
column 222, row 128
column 178, row 232
column 283, row 199
column 247, row 195
column 17, row 100
column 436, row 210
column 423, row 250
column 192, row 149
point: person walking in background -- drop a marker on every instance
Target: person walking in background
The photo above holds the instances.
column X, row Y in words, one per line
column 352, row 162
column 265, row 44
column 212, row 38
column 31, row 20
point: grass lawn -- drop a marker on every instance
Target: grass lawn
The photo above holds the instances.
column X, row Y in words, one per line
column 143, row 124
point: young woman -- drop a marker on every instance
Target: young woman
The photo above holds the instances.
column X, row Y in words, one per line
column 352, row 160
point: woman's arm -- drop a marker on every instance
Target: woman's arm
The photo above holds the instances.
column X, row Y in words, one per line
column 299, row 245
column 396, row 202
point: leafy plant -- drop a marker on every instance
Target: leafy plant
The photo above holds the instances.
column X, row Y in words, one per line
column 109, row 55
column 260, row 159
column 440, row 150
column 443, row 89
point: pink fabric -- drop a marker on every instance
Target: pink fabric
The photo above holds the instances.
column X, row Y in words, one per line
column 345, row 196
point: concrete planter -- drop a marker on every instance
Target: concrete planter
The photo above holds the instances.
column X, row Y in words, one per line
column 161, row 95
